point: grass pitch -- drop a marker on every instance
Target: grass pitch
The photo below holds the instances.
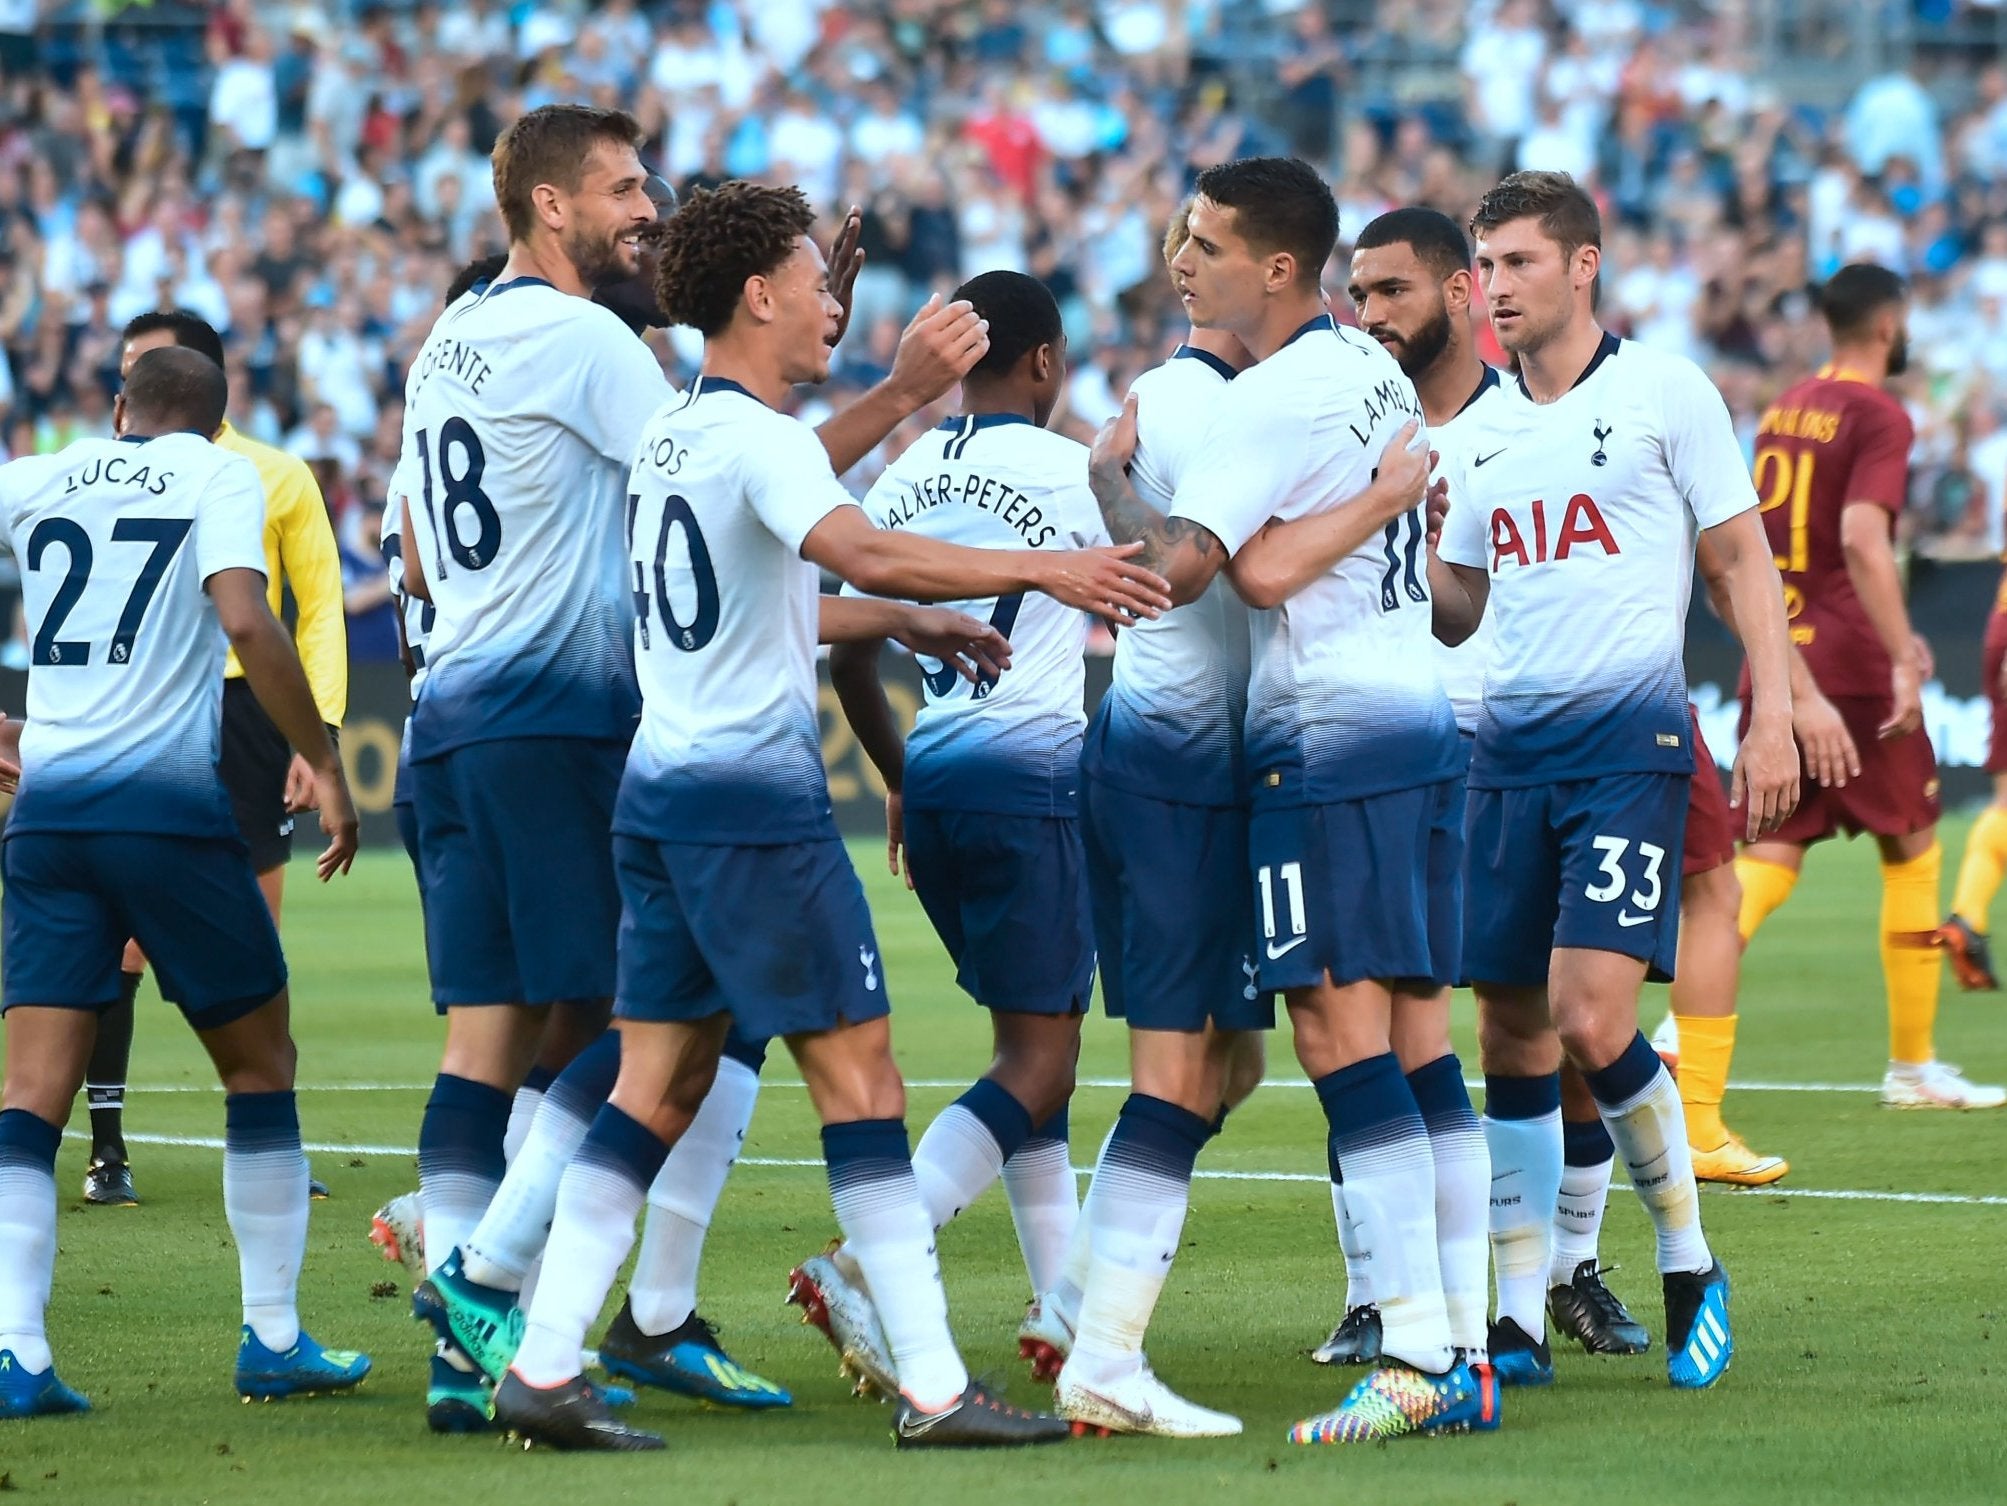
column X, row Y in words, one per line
column 1868, row 1288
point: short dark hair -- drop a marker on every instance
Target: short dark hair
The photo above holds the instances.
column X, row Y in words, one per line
column 550, row 145
column 719, row 238
column 1279, row 204
column 1857, row 292
column 175, row 388
column 487, row 269
column 189, row 329
column 1567, row 215
column 1023, row 315
column 1437, row 241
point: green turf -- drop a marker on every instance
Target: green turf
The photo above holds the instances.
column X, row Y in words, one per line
column 1866, row 1367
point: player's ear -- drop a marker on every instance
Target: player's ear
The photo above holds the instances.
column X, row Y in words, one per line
column 759, row 297
column 1588, row 262
column 1042, row 361
column 549, row 205
column 118, row 415
column 1456, row 291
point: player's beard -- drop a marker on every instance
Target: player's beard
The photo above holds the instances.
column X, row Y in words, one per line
column 1899, row 354
column 600, row 261
column 1421, row 350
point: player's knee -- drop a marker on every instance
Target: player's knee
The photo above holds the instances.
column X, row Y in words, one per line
column 1715, row 894
column 1590, row 1034
column 1514, row 1034
column 1246, row 1062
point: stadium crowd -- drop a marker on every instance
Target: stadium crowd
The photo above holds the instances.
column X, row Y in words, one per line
column 309, row 176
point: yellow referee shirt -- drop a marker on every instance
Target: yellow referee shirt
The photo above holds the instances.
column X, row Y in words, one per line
column 300, row 548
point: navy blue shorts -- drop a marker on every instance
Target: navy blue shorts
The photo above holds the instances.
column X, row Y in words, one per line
column 192, row 903
column 1592, row 863
column 1172, row 920
column 515, row 854
column 1008, row 898
column 1361, row 889
column 779, row 936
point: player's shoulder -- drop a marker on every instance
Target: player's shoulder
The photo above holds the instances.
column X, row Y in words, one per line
column 1642, row 365
column 1189, row 374
column 1050, row 451
column 275, row 467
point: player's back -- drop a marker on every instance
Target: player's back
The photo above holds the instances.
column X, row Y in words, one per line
column 1828, row 441
column 1170, row 724
column 522, row 413
column 1008, row 743
column 115, row 539
column 724, row 490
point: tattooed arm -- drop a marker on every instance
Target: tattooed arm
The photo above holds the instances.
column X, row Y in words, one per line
column 1183, row 552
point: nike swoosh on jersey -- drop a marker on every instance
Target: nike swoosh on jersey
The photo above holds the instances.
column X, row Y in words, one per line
column 1626, row 918
column 1276, row 952
column 1487, row 459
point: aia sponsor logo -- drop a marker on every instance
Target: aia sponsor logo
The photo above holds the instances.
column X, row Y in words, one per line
column 1538, row 541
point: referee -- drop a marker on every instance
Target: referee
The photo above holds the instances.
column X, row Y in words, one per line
column 265, row 779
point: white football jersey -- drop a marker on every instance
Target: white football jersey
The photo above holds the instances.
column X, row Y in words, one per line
column 115, row 539
column 418, row 615
column 1170, row 725
column 725, row 617
column 521, row 416
column 1008, row 744
column 1584, row 512
column 1461, row 669
column 1343, row 702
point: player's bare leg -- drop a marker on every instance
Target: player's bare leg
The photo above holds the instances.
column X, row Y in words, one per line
column 1967, row 931
column 1705, row 990
column 1521, row 1058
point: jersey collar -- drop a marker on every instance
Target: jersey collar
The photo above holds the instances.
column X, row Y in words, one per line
column 1832, row 373
column 1192, row 353
column 975, row 423
column 496, row 289
column 705, row 385
column 1604, row 351
column 1322, row 321
column 1484, row 384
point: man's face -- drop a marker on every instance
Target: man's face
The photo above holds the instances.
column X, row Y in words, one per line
column 1529, row 284
column 1216, row 272
column 804, row 312
column 1402, row 304
column 139, row 345
column 603, row 219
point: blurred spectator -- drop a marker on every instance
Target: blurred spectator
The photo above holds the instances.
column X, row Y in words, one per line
column 365, row 584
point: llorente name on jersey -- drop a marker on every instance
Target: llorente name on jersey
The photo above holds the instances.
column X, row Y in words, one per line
column 984, row 493
column 459, row 360
column 117, row 470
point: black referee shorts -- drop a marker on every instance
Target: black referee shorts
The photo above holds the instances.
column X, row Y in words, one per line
column 253, row 766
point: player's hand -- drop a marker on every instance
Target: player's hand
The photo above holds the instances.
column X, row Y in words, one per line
column 1906, row 703
column 895, row 837
column 1926, row 661
column 299, row 786
column 1436, row 511
column 1104, row 581
column 1830, row 755
column 10, row 754
column 1764, row 784
column 971, row 646
column 338, row 822
column 1401, row 479
column 1115, row 445
column 937, row 350
column 846, row 260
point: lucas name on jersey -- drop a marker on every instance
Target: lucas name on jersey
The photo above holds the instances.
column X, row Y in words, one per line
column 117, row 470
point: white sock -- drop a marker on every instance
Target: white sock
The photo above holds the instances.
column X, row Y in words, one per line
column 265, row 1200
column 1463, row 1177
column 1358, row 1280
column 597, row 1202
column 1525, row 1182
column 523, row 1112
column 662, row 1292
column 1071, row 1283
column 1142, row 1189
column 1578, row 1218
column 955, row 1162
column 28, row 1234
column 1650, row 1130
column 887, row 1232
column 1044, row 1206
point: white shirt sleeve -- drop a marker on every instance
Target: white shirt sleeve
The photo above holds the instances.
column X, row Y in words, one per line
column 1701, row 451
column 1464, row 534
column 230, row 518
column 789, row 481
column 619, row 389
column 1249, row 463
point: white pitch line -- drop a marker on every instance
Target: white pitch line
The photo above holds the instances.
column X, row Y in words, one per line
column 963, row 1082
column 328, row 1147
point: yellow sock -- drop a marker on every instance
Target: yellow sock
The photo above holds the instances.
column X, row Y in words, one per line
column 1765, row 886
column 1980, row 873
column 1912, row 966
column 1706, row 1044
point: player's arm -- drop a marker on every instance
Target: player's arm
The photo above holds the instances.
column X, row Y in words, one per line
column 1459, row 585
column 1283, row 558
column 853, row 673
column 1830, row 754
column 1183, row 552
column 10, row 754
column 897, row 563
column 273, row 670
column 1766, row 765
column 1864, row 542
column 935, row 352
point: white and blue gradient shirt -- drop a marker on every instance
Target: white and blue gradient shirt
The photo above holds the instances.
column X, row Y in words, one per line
column 1343, row 702
column 1583, row 512
column 417, row 615
column 1169, row 727
column 521, row 416
column 115, row 540
column 1461, row 669
column 724, row 613
column 1009, row 744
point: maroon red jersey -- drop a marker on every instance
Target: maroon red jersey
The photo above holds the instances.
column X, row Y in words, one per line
column 1831, row 440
